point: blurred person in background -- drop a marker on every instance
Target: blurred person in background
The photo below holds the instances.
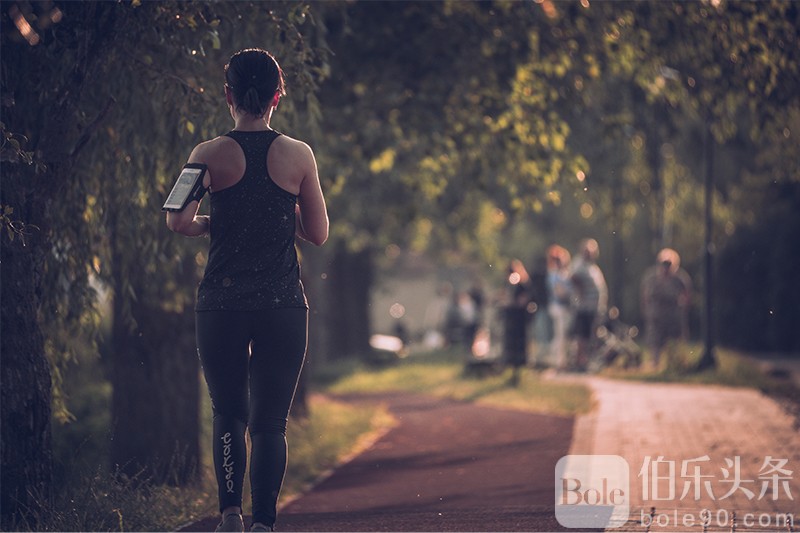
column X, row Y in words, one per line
column 542, row 329
column 434, row 321
column 559, row 291
column 665, row 296
column 478, row 299
column 515, row 317
column 589, row 299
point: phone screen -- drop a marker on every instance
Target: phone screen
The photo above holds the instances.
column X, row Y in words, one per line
column 182, row 189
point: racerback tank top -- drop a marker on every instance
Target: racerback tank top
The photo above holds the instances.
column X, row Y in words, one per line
column 252, row 261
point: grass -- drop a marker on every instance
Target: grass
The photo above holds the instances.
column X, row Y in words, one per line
column 442, row 374
column 90, row 497
column 334, row 430
column 679, row 364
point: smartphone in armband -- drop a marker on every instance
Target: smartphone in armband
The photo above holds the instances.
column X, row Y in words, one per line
column 187, row 188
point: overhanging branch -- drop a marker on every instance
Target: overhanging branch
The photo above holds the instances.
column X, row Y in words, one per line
column 92, row 127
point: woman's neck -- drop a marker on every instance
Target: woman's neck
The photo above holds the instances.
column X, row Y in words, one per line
column 247, row 122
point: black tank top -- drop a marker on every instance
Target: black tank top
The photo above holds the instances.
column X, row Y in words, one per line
column 252, row 261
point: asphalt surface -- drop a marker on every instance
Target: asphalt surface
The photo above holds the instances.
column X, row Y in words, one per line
column 446, row 466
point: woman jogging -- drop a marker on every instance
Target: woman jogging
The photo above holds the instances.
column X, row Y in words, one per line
column 251, row 312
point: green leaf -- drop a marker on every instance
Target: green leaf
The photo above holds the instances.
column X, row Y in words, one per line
column 215, row 42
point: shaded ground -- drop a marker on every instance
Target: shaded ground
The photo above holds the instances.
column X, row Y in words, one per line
column 446, row 466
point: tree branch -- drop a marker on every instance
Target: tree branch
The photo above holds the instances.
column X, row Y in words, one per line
column 92, row 127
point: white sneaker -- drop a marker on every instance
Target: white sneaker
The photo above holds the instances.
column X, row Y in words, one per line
column 231, row 522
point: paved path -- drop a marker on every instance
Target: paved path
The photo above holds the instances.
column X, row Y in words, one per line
column 682, row 422
column 452, row 466
column 446, row 466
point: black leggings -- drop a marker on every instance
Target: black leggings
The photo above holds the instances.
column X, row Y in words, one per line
column 251, row 361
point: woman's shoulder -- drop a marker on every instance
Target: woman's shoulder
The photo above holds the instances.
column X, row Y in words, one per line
column 212, row 148
column 291, row 145
column 216, row 143
column 292, row 152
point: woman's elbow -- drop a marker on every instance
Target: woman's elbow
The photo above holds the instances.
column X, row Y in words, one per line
column 171, row 223
column 314, row 229
column 319, row 233
column 174, row 223
column 318, row 238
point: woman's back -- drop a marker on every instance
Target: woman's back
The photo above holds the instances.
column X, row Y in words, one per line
column 252, row 262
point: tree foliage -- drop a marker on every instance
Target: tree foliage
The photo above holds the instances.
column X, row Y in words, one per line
column 470, row 131
column 102, row 102
column 644, row 82
column 458, row 120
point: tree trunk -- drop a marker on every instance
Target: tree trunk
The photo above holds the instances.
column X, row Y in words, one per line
column 708, row 359
column 316, row 266
column 313, row 263
column 25, row 395
column 347, row 300
column 155, row 419
column 26, row 474
column 617, row 280
column 657, row 187
column 155, row 401
column 648, row 120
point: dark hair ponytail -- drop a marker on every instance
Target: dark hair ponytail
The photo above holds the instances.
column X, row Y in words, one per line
column 254, row 77
column 251, row 102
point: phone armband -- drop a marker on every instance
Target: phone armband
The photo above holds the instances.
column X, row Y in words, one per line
column 188, row 187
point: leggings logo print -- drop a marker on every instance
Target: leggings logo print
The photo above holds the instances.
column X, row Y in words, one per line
column 227, row 461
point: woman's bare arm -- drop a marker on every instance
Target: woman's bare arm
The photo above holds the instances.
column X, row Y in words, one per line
column 188, row 222
column 312, row 214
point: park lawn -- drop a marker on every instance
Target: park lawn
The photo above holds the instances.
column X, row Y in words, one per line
column 442, row 374
column 679, row 363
